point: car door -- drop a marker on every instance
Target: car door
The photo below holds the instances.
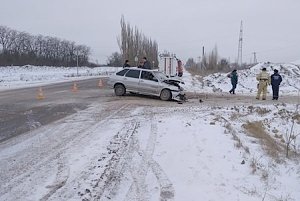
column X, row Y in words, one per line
column 148, row 83
column 131, row 80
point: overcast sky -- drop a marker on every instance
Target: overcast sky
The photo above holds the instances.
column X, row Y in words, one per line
column 271, row 27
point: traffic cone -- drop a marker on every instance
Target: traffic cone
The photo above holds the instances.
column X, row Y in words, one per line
column 40, row 94
column 100, row 84
column 75, row 88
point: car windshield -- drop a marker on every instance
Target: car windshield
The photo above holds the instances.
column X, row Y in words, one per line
column 160, row 75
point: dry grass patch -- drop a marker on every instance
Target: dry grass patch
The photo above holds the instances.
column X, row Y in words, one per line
column 234, row 116
column 296, row 117
column 262, row 111
column 256, row 129
column 238, row 142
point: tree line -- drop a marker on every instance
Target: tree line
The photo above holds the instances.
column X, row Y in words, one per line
column 21, row 48
column 133, row 43
column 208, row 63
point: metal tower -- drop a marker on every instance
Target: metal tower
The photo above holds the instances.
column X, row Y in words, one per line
column 254, row 58
column 240, row 48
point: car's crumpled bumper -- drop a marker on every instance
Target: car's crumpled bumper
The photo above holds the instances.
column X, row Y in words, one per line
column 178, row 95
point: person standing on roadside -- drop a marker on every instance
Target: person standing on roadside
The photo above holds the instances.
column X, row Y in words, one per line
column 179, row 68
column 276, row 79
column 126, row 64
column 234, row 80
column 264, row 80
column 140, row 65
column 146, row 64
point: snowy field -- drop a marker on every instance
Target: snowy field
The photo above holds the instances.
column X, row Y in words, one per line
column 137, row 149
column 12, row 77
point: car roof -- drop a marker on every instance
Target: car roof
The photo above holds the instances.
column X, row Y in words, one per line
column 136, row 68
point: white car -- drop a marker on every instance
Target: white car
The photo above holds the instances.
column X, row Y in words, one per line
column 148, row 82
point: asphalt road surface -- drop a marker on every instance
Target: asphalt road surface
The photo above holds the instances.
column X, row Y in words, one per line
column 21, row 111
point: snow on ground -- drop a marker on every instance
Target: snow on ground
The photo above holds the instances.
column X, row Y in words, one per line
column 23, row 76
column 141, row 152
column 247, row 84
column 203, row 153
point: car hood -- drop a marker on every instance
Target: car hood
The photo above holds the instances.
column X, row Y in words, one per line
column 173, row 82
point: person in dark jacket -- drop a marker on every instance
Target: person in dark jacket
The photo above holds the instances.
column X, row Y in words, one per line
column 276, row 79
column 126, row 64
column 140, row 65
column 234, row 80
column 147, row 64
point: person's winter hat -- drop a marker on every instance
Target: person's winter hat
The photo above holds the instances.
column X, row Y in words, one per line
column 264, row 69
column 275, row 71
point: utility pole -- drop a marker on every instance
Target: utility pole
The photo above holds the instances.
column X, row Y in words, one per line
column 203, row 53
column 254, row 58
column 240, row 48
column 77, row 61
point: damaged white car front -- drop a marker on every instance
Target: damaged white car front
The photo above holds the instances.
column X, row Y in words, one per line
column 172, row 84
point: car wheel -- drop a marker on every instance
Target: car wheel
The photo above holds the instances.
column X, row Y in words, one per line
column 165, row 94
column 120, row 90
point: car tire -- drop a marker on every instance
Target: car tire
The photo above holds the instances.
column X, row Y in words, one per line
column 165, row 94
column 120, row 90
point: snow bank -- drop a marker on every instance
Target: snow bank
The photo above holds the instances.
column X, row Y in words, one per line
column 219, row 82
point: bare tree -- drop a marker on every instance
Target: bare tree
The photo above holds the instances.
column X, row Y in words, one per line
column 210, row 63
column 289, row 138
column 115, row 59
column 133, row 43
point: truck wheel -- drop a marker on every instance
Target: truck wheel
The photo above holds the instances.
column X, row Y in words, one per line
column 120, row 90
column 165, row 94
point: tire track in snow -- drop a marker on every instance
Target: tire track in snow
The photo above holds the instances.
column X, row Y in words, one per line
column 138, row 188
column 62, row 176
column 84, row 175
column 108, row 182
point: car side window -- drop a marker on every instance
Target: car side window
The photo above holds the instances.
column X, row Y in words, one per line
column 148, row 76
column 122, row 72
column 133, row 74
